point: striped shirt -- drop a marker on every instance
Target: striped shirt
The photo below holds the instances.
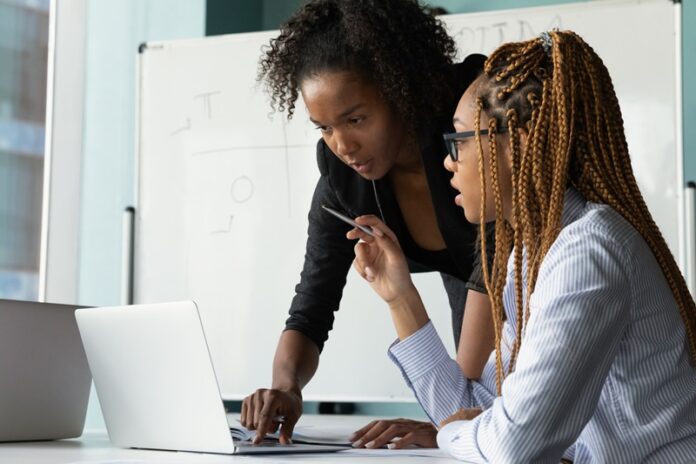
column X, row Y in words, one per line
column 603, row 374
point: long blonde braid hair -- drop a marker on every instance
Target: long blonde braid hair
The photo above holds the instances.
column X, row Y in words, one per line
column 560, row 92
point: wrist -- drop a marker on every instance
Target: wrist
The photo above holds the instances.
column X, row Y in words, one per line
column 408, row 313
column 406, row 301
column 288, row 386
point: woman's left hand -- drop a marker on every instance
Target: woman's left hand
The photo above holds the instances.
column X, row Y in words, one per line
column 380, row 260
column 396, row 434
column 462, row 414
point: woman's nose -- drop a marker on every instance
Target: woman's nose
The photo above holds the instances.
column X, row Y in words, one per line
column 450, row 165
column 345, row 146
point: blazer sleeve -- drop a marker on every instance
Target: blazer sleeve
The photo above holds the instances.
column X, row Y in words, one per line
column 327, row 261
column 476, row 281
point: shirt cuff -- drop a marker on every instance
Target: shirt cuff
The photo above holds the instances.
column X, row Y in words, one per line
column 419, row 353
column 457, row 439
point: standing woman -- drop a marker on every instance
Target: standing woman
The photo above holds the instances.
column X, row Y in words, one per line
column 595, row 362
column 379, row 83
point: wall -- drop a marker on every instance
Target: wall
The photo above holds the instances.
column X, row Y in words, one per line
column 224, row 16
column 227, row 17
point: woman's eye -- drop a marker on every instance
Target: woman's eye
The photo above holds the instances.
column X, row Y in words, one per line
column 459, row 143
column 356, row 120
column 324, row 129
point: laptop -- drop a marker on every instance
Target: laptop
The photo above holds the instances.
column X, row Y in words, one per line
column 44, row 376
column 156, row 383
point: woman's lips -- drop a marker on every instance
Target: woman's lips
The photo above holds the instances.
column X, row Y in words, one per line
column 363, row 166
column 458, row 199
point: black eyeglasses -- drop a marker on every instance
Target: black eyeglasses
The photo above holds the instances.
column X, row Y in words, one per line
column 452, row 138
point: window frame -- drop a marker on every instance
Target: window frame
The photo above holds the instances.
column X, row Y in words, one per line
column 65, row 98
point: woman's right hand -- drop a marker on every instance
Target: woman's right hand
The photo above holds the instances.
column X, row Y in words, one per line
column 264, row 405
column 380, row 260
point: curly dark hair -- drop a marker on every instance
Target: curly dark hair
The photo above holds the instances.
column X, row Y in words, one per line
column 394, row 44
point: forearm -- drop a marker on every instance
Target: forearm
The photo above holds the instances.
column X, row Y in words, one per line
column 296, row 360
column 408, row 313
column 435, row 378
column 477, row 338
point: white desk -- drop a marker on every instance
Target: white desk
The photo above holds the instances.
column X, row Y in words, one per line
column 94, row 447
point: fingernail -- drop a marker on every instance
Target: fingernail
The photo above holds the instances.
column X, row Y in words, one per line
column 352, row 437
column 377, row 232
column 370, row 444
column 357, row 444
column 391, row 445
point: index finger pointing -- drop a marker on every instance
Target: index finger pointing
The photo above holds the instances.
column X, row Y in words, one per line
column 286, row 429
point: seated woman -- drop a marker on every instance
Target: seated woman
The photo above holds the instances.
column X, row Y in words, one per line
column 594, row 362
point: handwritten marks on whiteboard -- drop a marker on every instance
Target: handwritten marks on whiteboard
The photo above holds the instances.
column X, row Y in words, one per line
column 185, row 127
column 255, row 147
column 487, row 38
column 242, row 189
column 209, row 138
column 206, row 98
column 205, row 108
column 225, row 230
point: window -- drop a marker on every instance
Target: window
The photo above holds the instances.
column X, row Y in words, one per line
column 23, row 61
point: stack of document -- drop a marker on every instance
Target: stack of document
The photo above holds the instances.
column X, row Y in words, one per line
column 336, row 435
column 302, row 435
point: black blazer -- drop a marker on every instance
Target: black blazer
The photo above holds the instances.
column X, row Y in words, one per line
column 329, row 255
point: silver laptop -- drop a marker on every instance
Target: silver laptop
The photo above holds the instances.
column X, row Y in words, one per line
column 156, row 383
column 44, row 376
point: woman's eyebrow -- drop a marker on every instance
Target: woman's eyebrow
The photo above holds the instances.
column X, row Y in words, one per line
column 350, row 110
column 343, row 114
column 459, row 121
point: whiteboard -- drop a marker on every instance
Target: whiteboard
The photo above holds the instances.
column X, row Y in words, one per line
column 224, row 188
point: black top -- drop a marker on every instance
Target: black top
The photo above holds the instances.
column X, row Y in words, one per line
column 329, row 255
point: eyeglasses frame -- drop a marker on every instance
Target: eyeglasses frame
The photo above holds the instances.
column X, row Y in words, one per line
column 450, row 139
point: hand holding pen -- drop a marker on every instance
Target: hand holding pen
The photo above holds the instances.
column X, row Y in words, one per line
column 379, row 258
